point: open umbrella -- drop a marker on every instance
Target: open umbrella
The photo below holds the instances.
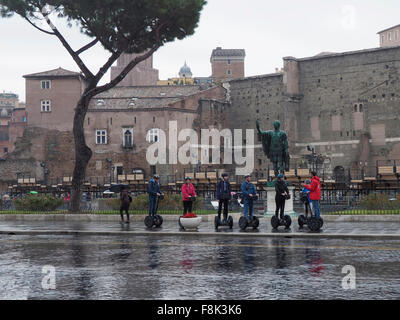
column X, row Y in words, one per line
column 33, row 192
column 119, row 187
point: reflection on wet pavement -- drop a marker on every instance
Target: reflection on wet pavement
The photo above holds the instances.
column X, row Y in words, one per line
column 265, row 226
column 146, row 267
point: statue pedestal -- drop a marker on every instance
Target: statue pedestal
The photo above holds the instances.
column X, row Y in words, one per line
column 271, row 203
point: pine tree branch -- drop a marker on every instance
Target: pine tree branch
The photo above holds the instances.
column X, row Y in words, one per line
column 88, row 46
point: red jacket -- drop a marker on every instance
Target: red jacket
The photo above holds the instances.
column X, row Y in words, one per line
column 188, row 190
column 315, row 188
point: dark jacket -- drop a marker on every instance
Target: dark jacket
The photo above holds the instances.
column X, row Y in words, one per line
column 248, row 188
column 223, row 190
column 280, row 187
column 153, row 188
column 125, row 199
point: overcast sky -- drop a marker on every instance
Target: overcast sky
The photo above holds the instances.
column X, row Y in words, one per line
column 267, row 29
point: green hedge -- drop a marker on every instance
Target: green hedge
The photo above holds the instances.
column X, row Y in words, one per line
column 38, row 203
column 378, row 201
column 170, row 202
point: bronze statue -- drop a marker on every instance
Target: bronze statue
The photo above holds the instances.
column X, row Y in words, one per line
column 275, row 146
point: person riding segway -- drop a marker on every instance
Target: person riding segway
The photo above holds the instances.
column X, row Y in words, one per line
column 224, row 195
column 155, row 194
column 248, row 195
column 282, row 194
column 315, row 197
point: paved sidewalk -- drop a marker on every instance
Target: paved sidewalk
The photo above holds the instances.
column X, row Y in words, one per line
column 329, row 230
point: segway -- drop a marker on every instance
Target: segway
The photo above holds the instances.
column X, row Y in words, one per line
column 252, row 221
column 218, row 222
column 313, row 223
column 277, row 222
column 223, row 223
column 154, row 220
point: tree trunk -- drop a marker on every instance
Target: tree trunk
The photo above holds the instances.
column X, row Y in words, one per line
column 82, row 152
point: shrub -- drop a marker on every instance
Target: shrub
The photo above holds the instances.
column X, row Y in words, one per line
column 38, row 203
column 141, row 202
column 377, row 201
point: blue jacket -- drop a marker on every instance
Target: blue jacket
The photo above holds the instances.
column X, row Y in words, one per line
column 306, row 191
column 153, row 188
column 221, row 191
column 248, row 188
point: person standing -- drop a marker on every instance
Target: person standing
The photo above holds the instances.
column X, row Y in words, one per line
column 154, row 191
column 281, row 192
column 306, row 194
column 223, row 195
column 315, row 193
column 188, row 195
column 125, row 203
column 249, row 193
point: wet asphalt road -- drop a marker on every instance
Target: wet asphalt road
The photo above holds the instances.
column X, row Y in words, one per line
column 189, row 267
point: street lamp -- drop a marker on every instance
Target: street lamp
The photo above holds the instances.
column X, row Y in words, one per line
column 313, row 157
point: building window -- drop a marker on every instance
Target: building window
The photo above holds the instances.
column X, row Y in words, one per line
column 396, row 35
column 229, row 72
column 383, row 39
column 24, row 119
column 100, row 102
column 152, row 135
column 101, row 136
column 389, row 36
column 128, row 137
column 361, row 108
column 5, row 150
column 45, row 84
column 229, row 62
column 45, row 105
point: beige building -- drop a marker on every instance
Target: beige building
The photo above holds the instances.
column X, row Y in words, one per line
column 13, row 120
column 227, row 64
column 120, row 125
column 142, row 75
column 390, row 36
column 51, row 98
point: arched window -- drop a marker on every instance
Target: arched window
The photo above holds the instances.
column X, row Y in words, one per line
column 152, row 135
column 128, row 138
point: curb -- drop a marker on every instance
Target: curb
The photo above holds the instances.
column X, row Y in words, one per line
column 205, row 218
column 308, row 235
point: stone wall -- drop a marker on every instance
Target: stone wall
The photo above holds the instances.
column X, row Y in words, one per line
column 346, row 105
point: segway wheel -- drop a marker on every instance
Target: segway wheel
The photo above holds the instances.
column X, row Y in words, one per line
column 275, row 222
column 314, row 224
column 216, row 223
column 242, row 223
column 230, row 222
column 321, row 222
column 302, row 221
column 148, row 221
column 256, row 223
column 158, row 221
column 287, row 221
